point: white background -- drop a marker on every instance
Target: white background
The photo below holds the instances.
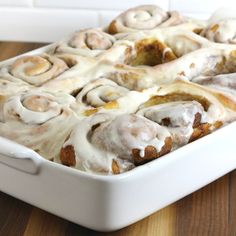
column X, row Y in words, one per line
column 51, row 20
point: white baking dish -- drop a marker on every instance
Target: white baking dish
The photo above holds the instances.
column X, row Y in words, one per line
column 108, row 203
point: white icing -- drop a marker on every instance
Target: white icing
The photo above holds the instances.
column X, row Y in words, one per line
column 222, row 31
column 181, row 115
column 96, row 160
column 36, row 70
column 99, row 92
column 114, row 139
column 8, row 87
column 147, row 17
column 45, row 105
column 225, row 83
column 88, row 43
column 44, row 132
column 127, row 132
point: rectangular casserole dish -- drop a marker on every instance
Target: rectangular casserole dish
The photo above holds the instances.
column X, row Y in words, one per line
column 107, row 203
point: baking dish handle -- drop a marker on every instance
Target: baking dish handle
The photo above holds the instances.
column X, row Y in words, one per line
column 19, row 157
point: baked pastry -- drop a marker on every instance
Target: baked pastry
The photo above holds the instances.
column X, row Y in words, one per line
column 179, row 113
column 90, row 42
column 188, row 111
column 147, row 17
column 103, row 95
column 204, row 61
column 108, row 100
column 116, row 143
column 34, row 70
column 38, row 120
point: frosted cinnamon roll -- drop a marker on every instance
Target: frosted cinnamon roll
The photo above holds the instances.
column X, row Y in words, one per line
column 222, row 31
column 99, row 93
column 116, row 144
column 146, row 17
column 35, row 69
column 89, row 42
column 9, row 88
column 38, row 120
column 103, row 95
column 188, row 111
column 204, row 61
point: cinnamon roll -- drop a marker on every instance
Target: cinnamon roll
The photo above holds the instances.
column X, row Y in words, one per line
column 116, row 144
column 188, row 111
column 108, row 100
column 103, row 95
column 34, row 70
column 204, row 61
column 146, row 17
column 38, row 120
column 89, row 42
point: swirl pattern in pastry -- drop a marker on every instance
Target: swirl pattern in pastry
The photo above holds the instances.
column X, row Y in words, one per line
column 188, row 111
column 90, row 42
column 34, row 70
column 38, row 120
column 116, row 144
column 146, row 17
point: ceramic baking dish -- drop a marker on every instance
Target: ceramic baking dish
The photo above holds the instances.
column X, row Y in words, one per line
column 107, row 203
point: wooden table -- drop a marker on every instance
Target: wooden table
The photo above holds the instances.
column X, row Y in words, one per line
column 209, row 211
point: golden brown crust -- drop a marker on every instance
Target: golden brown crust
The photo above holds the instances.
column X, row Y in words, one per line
column 226, row 101
column 214, row 28
column 67, row 156
column 150, row 153
column 198, row 30
column 200, row 131
column 218, row 124
column 151, row 52
column 171, row 97
column 112, row 28
column 197, row 120
column 2, row 99
column 115, row 167
column 38, row 64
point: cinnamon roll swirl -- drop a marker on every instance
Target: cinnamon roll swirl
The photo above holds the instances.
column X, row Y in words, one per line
column 146, row 17
column 188, row 111
column 89, row 42
column 116, row 144
column 103, row 95
column 38, row 120
column 34, row 70
column 99, row 93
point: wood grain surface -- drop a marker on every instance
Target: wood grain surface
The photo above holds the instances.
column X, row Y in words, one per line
column 210, row 211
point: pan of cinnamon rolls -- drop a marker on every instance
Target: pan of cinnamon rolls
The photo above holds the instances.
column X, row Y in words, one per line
column 106, row 100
